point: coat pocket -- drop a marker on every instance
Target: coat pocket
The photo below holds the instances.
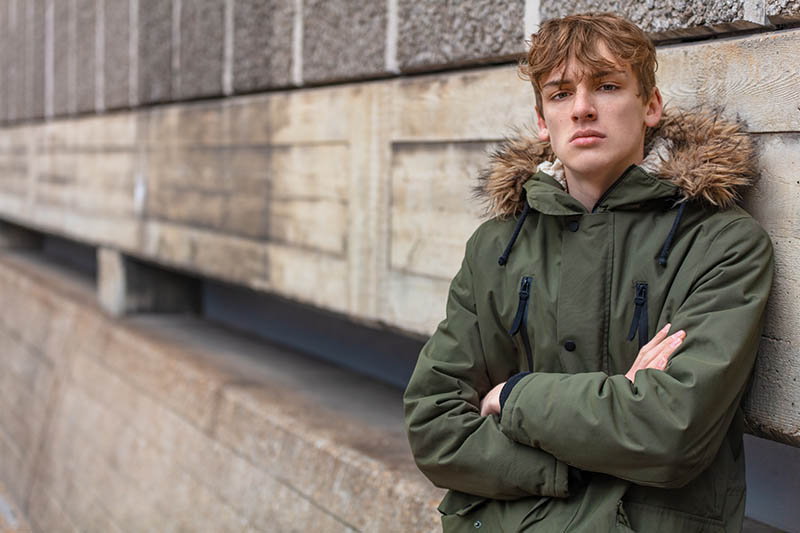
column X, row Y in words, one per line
column 652, row 519
column 457, row 512
column 520, row 325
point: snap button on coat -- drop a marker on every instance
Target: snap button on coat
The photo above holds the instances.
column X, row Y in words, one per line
column 569, row 346
column 573, row 225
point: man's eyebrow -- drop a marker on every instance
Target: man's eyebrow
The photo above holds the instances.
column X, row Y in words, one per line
column 557, row 83
column 604, row 73
column 595, row 75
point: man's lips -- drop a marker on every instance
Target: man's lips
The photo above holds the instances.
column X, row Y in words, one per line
column 586, row 133
column 586, row 137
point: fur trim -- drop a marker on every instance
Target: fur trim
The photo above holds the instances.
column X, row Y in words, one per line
column 707, row 156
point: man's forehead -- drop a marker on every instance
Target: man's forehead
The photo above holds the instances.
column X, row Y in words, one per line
column 574, row 71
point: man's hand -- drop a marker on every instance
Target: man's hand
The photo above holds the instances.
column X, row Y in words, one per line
column 655, row 353
column 490, row 404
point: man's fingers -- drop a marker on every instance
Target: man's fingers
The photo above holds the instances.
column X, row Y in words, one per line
column 660, row 355
column 657, row 338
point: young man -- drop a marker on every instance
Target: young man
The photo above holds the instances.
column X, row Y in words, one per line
column 539, row 401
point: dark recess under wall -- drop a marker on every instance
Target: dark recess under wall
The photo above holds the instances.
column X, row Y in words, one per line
column 385, row 355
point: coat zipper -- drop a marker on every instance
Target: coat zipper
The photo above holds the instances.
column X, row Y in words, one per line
column 639, row 322
column 521, row 318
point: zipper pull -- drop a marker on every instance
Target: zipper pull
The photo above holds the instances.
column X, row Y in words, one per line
column 640, row 321
column 524, row 294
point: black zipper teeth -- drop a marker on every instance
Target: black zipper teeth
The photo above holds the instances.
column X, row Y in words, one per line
column 521, row 318
column 639, row 323
column 611, row 188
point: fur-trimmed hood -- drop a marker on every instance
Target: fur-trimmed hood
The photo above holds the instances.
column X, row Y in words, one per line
column 708, row 157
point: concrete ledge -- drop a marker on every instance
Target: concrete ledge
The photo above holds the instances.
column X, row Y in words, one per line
column 167, row 422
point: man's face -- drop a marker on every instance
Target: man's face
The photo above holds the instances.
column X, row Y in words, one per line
column 595, row 121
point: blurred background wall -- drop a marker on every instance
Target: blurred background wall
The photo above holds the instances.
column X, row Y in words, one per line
column 229, row 225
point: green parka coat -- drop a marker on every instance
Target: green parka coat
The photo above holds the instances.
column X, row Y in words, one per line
column 564, row 312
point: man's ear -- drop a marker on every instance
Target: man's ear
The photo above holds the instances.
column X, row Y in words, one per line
column 544, row 133
column 653, row 109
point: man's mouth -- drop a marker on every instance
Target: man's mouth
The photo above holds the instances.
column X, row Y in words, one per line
column 586, row 137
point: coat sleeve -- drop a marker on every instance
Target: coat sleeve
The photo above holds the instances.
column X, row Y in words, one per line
column 666, row 427
column 452, row 444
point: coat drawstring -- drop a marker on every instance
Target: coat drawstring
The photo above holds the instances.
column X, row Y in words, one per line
column 504, row 258
column 662, row 258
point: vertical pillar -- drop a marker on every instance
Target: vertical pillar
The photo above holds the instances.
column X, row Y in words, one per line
column 126, row 286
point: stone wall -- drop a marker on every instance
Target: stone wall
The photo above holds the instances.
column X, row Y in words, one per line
column 62, row 58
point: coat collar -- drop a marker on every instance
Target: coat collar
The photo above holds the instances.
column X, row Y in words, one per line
column 691, row 155
column 634, row 187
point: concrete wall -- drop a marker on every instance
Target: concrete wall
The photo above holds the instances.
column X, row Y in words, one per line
column 63, row 58
column 322, row 151
column 142, row 425
column 356, row 198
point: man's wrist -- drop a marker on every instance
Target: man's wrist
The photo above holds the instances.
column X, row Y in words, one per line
column 507, row 388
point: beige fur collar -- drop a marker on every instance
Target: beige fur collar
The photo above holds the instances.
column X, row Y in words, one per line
column 707, row 157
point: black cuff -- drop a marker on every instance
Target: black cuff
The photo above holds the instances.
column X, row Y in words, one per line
column 505, row 392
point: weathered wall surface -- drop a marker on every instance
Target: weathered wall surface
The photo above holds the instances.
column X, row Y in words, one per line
column 62, row 58
column 133, row 426
column 369, row 185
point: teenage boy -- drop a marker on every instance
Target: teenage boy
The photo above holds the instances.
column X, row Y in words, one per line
column 539, row 401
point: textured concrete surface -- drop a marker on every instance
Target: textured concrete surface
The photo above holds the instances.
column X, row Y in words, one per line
column 116, row 54
column 12, row 520
column 432, row 33
column 85, row 54
column 202, row 36
column 654, row 15
column 343, row 39
column 63, row 57
column 783, row 10
column 262, row 44
column 155, row 51
column 3, row 61
column 364, row 182
column 34, row 64
column 169, row 423
column 14, row 60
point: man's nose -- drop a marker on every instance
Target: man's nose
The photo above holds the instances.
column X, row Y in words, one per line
column 583, row 106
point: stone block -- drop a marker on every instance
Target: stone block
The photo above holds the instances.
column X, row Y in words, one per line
column 35, row 62
column 63, row 58
column 663, row 17
column 3, row 61
column 262, row 44
column 117, row 54
column 783, row 11
column 15, row 44
column 85, row 54
column 202, row 39
column 433, row 34
column 432, row 212
column 155, row 51
column 343, row 39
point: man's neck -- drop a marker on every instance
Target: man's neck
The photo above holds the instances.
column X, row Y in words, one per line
column 589, row 188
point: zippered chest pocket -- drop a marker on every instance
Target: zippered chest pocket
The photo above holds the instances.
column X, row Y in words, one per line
column 639, row 324
column 520, row 325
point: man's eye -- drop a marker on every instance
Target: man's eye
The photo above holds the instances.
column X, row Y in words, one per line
column 608, row 87
column 559, row 95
